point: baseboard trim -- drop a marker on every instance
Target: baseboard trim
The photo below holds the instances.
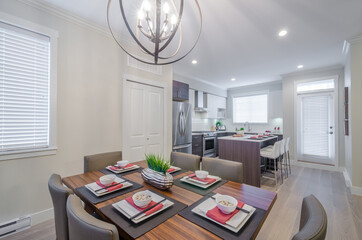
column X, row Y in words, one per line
column 42, row 216
column 347, row 179
column 316, row 166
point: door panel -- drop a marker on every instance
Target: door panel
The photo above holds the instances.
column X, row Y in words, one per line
column 144, row 121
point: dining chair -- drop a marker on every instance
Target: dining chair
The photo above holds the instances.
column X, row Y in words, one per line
column 59, row 194
column 313, row 220
column 101, row 160
column 272, row 154
column 229, row 170
column 83, row 226
column 185, row 161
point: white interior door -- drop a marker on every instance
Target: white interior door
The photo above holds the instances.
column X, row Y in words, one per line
column 144, row 121
column 316, row 128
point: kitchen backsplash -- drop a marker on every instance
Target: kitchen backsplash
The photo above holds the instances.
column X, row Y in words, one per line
column 205, row 125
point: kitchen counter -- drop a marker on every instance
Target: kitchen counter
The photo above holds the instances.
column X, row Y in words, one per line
column 247, row 138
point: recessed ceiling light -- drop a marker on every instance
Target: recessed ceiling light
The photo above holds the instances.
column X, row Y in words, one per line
column 194, row 62
column 233, row 79
column 300, row 66
column 282, row 33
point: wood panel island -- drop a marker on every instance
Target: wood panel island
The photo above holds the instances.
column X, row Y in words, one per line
column 246, row 151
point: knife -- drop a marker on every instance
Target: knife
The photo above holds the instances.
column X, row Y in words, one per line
column 147, row 209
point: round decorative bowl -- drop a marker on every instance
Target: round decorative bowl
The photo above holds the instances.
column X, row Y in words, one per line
column 157, row 179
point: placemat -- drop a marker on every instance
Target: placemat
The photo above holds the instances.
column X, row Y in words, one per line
column 136, row 230
column 199, row 190
column 94, row 199
column 106, row 171
column 179, row 172
column 246, row 232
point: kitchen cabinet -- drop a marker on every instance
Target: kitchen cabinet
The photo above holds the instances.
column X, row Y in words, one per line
column 180, row 91
column 216, row 106
column 197, row 145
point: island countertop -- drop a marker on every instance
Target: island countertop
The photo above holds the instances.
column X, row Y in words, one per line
column 247, row 138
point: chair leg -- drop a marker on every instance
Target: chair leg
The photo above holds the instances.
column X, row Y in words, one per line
column 275, row 172
column 281, row 168
column 290, row 169
column 285, row 164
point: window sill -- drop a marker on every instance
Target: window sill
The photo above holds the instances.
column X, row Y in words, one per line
column 28, row 153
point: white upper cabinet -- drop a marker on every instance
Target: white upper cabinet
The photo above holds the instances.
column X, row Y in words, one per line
column 216, row 106
column 192, row 102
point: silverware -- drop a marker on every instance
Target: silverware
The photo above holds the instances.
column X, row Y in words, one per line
column 106, row 188
column 147, row 209
column 241, row 209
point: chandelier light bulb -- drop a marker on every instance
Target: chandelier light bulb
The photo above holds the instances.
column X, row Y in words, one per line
column 173, row 19
column 166, row 8
column 146, row 6
column 141, row 15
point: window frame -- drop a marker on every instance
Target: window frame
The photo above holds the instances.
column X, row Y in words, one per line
column 53, row 35
column 251, row 95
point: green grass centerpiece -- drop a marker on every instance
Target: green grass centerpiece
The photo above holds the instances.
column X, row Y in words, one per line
column 156, row 174
column 157, row 163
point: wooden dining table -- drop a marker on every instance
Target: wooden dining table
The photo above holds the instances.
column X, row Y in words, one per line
column 175, row 227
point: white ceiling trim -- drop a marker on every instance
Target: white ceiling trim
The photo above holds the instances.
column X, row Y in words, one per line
column 58, row 12
column 202, row 81
column 316, row 70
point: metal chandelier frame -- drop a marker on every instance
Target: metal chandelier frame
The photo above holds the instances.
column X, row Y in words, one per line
column 157, row 36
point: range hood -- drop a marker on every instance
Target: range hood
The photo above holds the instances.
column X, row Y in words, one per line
column 200, row 102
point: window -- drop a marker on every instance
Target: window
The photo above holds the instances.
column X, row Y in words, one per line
column 25, row 88
column 252, row 109
column 316, row 85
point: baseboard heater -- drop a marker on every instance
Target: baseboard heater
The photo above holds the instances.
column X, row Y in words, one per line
column 14, row 226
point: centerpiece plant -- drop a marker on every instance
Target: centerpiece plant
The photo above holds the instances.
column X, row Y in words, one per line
column 156, row 174
column 157, row 163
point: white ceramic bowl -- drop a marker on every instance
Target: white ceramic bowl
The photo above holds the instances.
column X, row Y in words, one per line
column 201, row 174
column 141, row 203
column 107, row 180
column 122, row 163
column 226, row 209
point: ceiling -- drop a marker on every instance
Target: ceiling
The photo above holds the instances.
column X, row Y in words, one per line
column 240, row 37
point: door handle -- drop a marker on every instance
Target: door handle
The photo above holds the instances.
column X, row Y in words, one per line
column 330, row 133
column 181, row 127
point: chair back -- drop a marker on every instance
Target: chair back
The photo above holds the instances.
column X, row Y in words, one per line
column 229, row 170
column 282, row 146
column 287, row 144
column 185, row 161
column 59, row 195
column 83, row 226
column 313, row 220
column 101, row 160
column 276, row 150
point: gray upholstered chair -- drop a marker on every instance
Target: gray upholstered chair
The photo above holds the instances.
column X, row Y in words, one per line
column 101, row 160
column 83, row 226
column 229, row 170
column 185, row 161
column 59, row 195
column 313, row 220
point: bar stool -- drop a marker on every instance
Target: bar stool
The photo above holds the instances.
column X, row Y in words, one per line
column 273, row 155
column 282, row 157
column 287, row 155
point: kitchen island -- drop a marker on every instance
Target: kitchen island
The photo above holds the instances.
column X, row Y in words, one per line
column 247, row 151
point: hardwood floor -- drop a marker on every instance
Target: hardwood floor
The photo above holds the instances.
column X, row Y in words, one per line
column 344, row 210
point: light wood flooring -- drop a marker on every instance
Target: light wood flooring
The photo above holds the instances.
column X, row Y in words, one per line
column 343, row 209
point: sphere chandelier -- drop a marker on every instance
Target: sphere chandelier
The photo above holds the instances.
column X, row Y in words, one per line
column 161, row 31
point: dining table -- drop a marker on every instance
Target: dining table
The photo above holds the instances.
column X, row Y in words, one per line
column 176, row 227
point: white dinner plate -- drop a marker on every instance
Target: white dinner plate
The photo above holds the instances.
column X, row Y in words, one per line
column 93, row 187
column 200, row 184
column 123, row 169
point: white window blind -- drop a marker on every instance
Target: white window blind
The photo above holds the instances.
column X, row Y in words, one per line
column 252, row 109
column 24, row 89
column 315, row 125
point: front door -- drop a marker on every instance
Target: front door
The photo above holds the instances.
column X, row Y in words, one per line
column 144, row 121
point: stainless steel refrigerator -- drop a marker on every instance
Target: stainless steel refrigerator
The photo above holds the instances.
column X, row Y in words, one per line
column 181, row 127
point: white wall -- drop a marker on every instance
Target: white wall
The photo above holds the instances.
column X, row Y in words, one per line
column 289, row 99
column 275, row 106
column 348, row 139
column 90, row 70
column 356, row 114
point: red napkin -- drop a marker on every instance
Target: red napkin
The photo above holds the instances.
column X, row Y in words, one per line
column 253, row 137
column 221, row 217
column 207, row 180
column 119, row 168
column 155, row 209
column 110, row 189
column 171, row 170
